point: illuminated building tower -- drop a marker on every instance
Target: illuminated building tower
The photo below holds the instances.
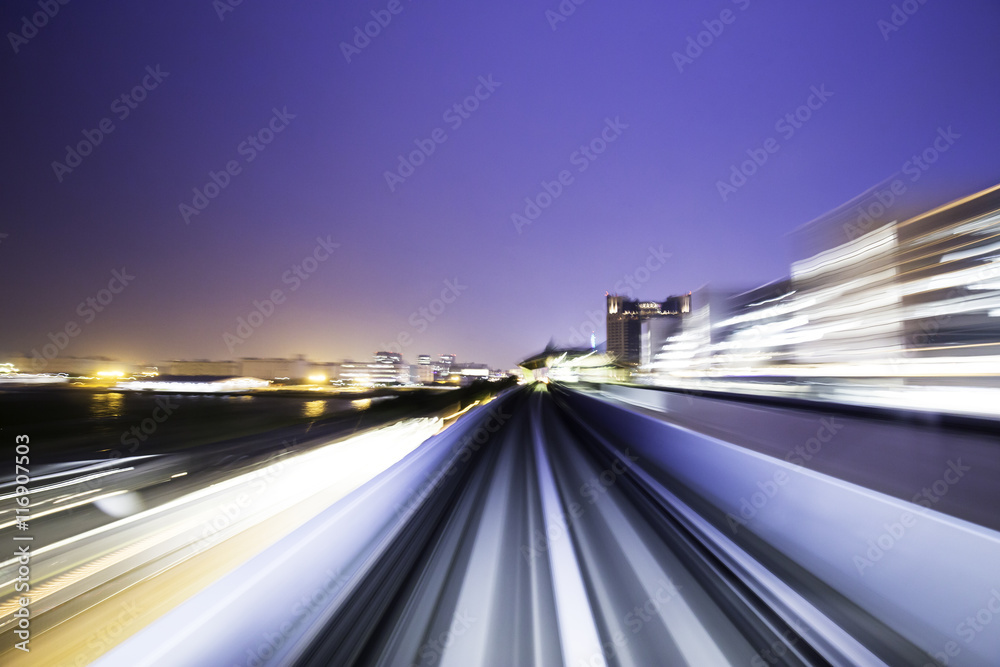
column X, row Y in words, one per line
column 627, row 320
column 623, row 328
column 425, row 370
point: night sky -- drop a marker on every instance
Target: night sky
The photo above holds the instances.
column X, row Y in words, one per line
column 673, row 125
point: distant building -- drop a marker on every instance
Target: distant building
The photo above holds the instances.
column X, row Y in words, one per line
column 916, row 300
column 949, row 276
column 442, row 369
column 653, row 335
column 747, row 328
column 293, row 370
column 425, row 369
column 83, row 366
column 203, row 367
column 386, row 369
column 465, row 374
column 625, row 320
column 622, row 328
column 322, row 372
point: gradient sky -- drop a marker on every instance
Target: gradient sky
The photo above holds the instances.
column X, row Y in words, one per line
column 323, row 175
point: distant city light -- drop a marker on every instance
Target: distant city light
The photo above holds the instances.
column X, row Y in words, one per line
column 231, row 385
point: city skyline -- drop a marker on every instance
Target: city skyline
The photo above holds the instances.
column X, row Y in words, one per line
column 369, row 181
column 849, row 222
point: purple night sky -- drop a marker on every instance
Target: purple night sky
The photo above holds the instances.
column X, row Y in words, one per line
column 323, row 175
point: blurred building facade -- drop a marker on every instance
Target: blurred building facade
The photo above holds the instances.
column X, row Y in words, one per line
column 918, row 298
column 387, row 368
column 425, row 369
column 81, row 366
column 203, row 367
column 272, row 368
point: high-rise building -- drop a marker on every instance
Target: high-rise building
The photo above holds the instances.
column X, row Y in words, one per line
column 625, row 320
column 388, row 358
column 293, row 370
column 425, row 369
column 386, row 369
column 623, row 328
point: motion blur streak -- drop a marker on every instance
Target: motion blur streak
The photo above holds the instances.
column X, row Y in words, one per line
column 577, row 628
column 564, row 527
column 71, row 482
column 581, row 527
column 149, row 543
